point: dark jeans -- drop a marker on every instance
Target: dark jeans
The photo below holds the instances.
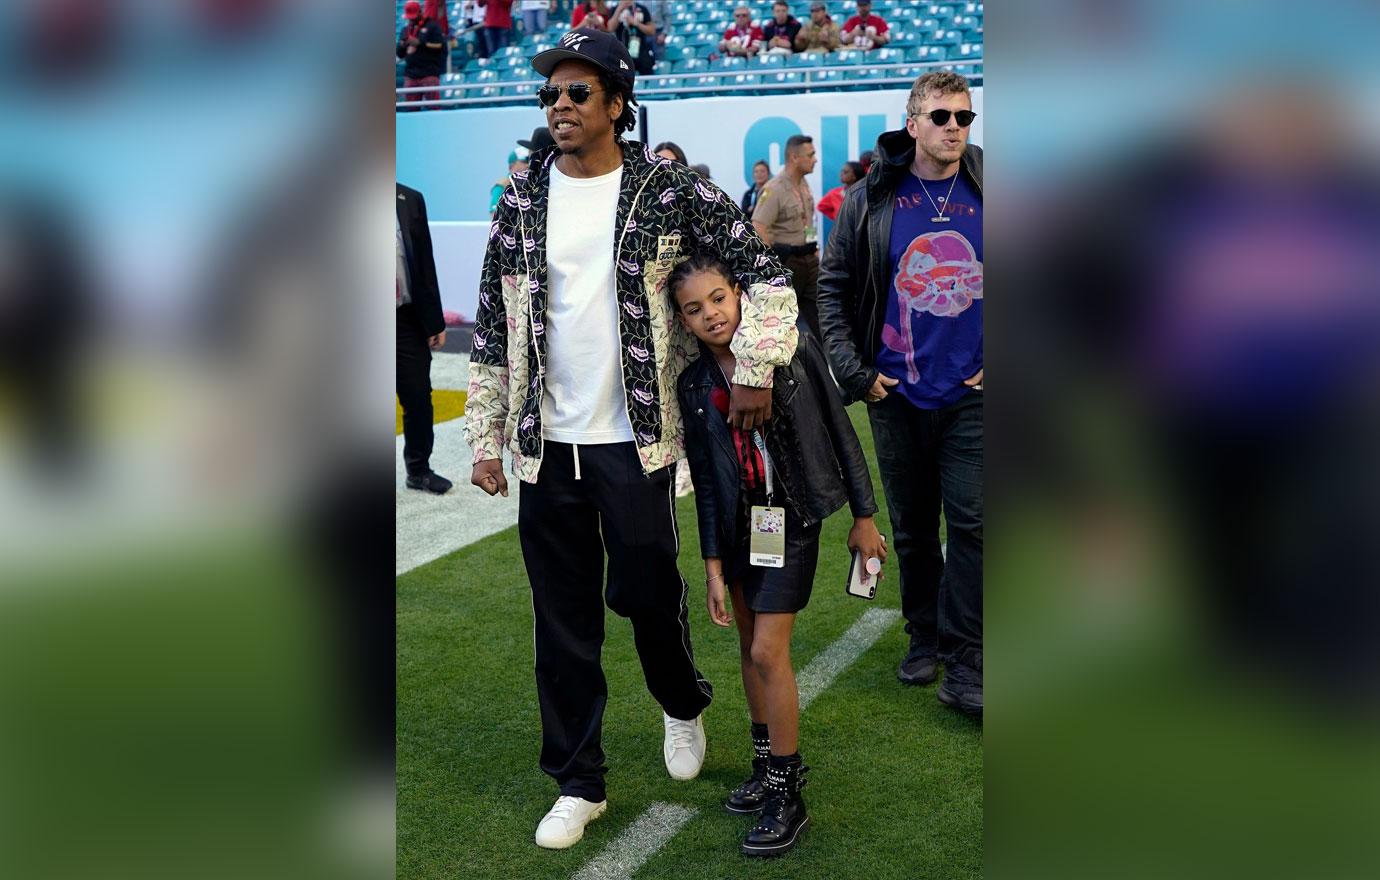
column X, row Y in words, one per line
column 932, row 459
column 804, row 271
column 414, row 391
column 491, row 39
column 567, row 522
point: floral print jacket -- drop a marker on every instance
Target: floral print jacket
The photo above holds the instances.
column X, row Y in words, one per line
column 665, row 211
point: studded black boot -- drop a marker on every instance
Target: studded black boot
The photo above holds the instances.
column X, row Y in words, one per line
column 748, row 797
column 783, row 814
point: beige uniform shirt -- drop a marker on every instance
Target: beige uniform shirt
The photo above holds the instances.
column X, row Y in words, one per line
column 787, row 211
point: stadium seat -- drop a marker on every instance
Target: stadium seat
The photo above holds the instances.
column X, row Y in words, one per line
column 823, row 77
column 760, row 61
column 509, row 51
column 846, row 56
column 704, row 50
column 674, row 40
column 728, row 63
column 967, row 51
column 522, row 90
column 478, row 64
column 927, row 53
column 807, row 59
column 887, row 55
column 945, row 38
column 742, row 79
column 689, row 65
column 790, row 77
column 680, row 53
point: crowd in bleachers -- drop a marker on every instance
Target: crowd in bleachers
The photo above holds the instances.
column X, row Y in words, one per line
column 686, row 48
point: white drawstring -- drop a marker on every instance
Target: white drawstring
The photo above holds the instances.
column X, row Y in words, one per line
column 577, row 460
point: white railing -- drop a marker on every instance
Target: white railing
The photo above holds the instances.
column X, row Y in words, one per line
column 807, row 82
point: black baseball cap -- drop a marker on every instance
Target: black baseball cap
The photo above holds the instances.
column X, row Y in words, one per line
column 540, row 140
column 600, row 48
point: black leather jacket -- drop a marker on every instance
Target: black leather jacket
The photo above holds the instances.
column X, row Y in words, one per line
column 818, row 464
column 854, row 272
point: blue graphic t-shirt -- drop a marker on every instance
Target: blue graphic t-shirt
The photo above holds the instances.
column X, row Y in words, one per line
column 932, row 338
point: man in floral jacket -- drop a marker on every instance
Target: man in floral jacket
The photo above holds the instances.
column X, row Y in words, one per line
column 573, row 371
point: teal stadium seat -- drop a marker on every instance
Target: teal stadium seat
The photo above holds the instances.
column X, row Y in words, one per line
column 728, row 63
column 927, row 53
column 760, row 61
column 888, row 55
column 742, row 79
column 846, row 56
column 807, row 59
column 689, row 65
column 781, row 77
column 825, row 77
column 968, row 51
column 945, row 38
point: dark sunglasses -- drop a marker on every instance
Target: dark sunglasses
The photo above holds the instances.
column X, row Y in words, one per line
column 941, row 117
column 579, row 92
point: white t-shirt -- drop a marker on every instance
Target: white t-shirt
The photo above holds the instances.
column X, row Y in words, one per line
column 584, row 400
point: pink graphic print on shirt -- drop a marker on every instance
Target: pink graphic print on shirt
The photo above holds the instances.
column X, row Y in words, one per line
column 940, row 274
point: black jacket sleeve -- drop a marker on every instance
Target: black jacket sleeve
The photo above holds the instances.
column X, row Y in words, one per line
column 697, row 451
column 424, row 289
column 856, row 477
column 842, row 272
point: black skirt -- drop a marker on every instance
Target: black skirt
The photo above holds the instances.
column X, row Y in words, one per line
column 774, row 590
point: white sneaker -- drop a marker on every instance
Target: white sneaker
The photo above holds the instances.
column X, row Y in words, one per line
column 565, row 824
column 684, row 747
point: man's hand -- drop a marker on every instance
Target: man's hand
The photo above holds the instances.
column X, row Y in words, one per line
column 879, row 389
column 437, row 341
column 488, row 475
column 974, row 382
column 748, row 407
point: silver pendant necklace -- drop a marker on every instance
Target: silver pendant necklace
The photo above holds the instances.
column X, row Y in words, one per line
column 938, row 211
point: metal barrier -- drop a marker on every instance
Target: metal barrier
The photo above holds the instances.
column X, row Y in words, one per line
column 806, row 83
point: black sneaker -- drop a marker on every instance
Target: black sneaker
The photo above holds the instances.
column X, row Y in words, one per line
column 961, row 689
column 430, row 482
column 783, row 816
column 920, row 666
column 749, row 797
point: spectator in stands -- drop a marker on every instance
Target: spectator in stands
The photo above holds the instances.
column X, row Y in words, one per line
column 498, row 26
column 907, row 338
column 589, row 14
column 632, row 24
column 672, row 151
column 761, row 173
column 422, row 46
column 865, row 30
column 781, row 31
column 421, row 330
column 534, row 13
column 594, row 431
column 743, row 38
column 822, row 34
column 785, row 218
column 517, row 162
column 849, row 174
column 661, row 14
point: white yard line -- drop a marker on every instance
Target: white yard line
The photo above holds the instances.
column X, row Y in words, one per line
column 638, row 843
column 826, row 666
column 660, row 822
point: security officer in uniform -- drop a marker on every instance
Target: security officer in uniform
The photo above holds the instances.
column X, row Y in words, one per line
column 785, row 218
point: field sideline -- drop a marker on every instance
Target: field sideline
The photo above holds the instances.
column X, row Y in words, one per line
column 896, row 785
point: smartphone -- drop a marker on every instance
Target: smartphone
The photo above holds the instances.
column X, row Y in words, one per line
column 862, row 582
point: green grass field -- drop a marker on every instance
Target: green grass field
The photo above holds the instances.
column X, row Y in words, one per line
column 895, row 791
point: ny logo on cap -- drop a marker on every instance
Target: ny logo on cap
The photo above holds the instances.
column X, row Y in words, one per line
column 623, row 64
column 573, row 40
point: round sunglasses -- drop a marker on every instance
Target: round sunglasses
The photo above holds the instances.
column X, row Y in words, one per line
column 579, row 92
column 941, row 117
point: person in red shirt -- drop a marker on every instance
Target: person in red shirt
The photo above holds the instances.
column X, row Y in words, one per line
column 422, row 47
column 744, row 38
column 498, row 26
column 865, row 30
column 850, row 174
column 596, row 14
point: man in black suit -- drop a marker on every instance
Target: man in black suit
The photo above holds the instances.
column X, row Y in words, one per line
column 421, row 330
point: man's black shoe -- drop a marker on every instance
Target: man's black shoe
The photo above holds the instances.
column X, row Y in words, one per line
column 783, row 816
column 961, row 689
column 919, row 667
column 749, row 797
column 430, row 482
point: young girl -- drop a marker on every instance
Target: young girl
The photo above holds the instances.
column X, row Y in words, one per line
column 807, row 460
